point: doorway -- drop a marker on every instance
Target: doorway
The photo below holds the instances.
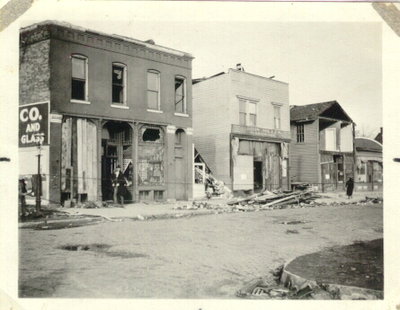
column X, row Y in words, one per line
column 117, row 150
column 258, row 175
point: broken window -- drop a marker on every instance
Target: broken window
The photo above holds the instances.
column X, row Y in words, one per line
column 153, row 90
column 180, row 94
column 79, row 77
column 118, row 83
column 151, row 135
column 300, row 133
column 277, row 117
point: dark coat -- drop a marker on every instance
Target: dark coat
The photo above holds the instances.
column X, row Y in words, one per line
column 119, row 182
column 350, row 187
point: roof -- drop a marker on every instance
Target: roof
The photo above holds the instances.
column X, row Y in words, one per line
column 331, row 109
column 148, row 44
column 366, row 144
column 199, row 80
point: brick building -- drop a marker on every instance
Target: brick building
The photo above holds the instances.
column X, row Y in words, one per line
column 241, row 129
column 111, row 100
column 322, row 146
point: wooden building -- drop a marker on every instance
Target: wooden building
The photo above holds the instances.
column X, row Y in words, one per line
column 322, row 146
column 369, row 168
column 241, row 129
column 112, row 100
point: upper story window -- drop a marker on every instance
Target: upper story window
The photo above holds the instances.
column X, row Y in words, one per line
column 277, row 117
column 118, row 83
column 330, row 139
column 247, row 113
column 79, row 81
column 153, row 90
column 180, row 95
column 300, row 133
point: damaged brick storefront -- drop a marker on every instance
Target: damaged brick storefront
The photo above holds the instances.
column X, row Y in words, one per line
column 112, row 101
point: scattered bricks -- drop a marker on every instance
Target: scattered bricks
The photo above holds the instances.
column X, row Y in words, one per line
column 292, row 231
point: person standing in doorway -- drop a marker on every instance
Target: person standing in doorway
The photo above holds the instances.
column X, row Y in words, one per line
column 350, row 188
column 118, row 182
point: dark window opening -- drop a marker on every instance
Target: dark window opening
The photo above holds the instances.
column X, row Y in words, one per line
column 158, row 195
column 180, row 104
column 151, row 134
column 79, row 77
column 300, row 133
column 78, row 89
column 179, row 136
column 117, row 84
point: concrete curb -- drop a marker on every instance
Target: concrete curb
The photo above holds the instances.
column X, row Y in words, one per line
column 344, row 292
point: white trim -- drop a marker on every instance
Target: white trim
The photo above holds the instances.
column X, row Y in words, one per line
column 189, row 131
column 154, row 111
column 80, row 101
column 171, row 129
column 125, row 82
column 248, row 98
column 181, row 114
column 277, row 103
column 158, row 87
column 183, row 78
column 86, row 59
column 56, row 118
column 119, row 106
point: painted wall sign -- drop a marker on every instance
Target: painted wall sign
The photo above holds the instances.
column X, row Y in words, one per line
column 33, row 124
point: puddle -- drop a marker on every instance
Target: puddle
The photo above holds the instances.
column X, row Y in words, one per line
column 101, row 248
column 293, row 222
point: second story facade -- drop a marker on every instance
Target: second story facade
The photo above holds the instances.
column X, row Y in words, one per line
column 239, row 114
column 83, row 71
column 322, row 146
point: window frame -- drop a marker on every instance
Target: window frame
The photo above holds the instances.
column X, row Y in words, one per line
column 124, row 83
column 152, row 71
column 244, row 110
column 300, row 136
column 277, row 119
column 86, row 80
column 184, row 102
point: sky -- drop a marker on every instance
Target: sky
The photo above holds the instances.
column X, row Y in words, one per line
column 321, row 61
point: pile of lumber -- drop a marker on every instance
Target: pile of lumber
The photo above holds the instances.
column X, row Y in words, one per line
column 267, row 199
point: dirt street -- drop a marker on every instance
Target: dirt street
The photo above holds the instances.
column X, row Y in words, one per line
column 209, row 256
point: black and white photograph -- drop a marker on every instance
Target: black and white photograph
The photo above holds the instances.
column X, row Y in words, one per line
column 213, row 155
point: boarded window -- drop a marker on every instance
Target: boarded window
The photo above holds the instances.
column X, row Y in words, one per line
column 79, row 78
column 300, row 133
column 153, row 90
column 118, row 83
column 330, row 139
column 180, row 95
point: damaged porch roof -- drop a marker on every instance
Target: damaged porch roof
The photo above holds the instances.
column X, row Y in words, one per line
column 330, row 109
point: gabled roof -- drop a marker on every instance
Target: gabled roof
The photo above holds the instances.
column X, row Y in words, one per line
column 331, row 109
column 366, row 144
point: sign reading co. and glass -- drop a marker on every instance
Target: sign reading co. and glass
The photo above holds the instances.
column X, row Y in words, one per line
column 34, row 124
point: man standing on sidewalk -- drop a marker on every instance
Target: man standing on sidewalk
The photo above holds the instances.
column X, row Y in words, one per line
column 118, row 182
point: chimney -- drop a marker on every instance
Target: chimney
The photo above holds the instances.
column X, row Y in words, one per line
column 239, row 67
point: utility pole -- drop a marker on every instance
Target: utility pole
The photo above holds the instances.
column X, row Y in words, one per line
column 38, row 190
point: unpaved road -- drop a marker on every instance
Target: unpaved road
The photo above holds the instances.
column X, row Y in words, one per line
column 202, row 257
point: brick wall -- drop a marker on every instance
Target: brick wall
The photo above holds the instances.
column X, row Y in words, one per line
column 34, row 72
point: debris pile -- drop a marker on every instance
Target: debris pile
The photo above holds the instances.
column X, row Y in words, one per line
column 276, row 200
column 217, row 187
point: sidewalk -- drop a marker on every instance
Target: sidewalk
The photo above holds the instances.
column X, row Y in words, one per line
column 165, row 210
